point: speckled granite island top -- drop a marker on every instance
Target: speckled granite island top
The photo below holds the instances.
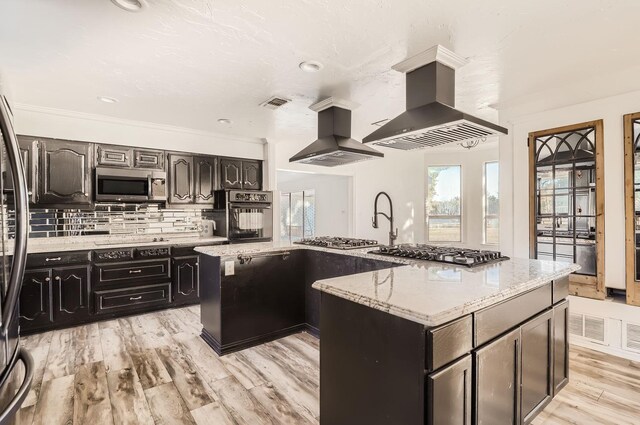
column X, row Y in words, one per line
column 426, row 292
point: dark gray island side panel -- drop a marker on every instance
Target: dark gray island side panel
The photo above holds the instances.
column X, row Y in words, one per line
column 370, row 366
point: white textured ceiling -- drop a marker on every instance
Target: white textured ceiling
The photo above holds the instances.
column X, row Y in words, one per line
column 189, row 62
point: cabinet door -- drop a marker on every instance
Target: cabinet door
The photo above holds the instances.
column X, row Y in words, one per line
column 449, row 394
column 251, row 175
column 27, row 146
column 231, row 173
column 186, row 281
column 114, row 156
column 536, row 368
column 149, row 159
column 497, row 381
column 180, row 179
column 560, row 346
column 35, row 299
column 65, row 176
column 205, row 183
column 70, row 293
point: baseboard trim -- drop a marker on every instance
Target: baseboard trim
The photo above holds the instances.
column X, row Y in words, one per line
column 222, row 350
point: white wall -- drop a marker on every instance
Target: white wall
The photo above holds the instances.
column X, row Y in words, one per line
column 47, row 122
column 515, row 175
column 403, row 176
column 333, row 206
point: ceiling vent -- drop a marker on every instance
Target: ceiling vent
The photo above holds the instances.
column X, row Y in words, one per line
column 275, row 102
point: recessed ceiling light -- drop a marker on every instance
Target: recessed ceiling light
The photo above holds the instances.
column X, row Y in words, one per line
column 311, row 66
column 130, row 5
column 107, row 99
column 224, row 121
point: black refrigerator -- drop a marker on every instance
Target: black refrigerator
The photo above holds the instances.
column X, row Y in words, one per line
column 16, row 365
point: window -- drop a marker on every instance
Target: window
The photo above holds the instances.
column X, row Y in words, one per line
column 297, row 215
column 491, row 203
column 443, row 206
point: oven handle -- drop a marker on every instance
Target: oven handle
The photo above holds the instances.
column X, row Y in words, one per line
column 238, row 205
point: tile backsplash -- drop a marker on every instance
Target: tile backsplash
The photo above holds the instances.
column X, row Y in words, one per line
column 112, row 219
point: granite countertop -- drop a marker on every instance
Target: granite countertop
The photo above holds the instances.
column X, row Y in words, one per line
column 426, row 292
column 85, row 243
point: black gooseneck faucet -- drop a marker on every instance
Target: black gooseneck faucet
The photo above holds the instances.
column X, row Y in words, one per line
column 392, row 236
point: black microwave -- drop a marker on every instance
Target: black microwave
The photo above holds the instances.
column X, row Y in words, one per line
column 116, row 185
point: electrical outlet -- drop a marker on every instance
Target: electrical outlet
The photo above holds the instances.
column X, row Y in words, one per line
column 229, row 268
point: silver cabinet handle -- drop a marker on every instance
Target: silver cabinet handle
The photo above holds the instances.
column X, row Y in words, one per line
column 53, row 259
column 57, row 277
column 135, row 298
column 135, row 271
column 47, row 279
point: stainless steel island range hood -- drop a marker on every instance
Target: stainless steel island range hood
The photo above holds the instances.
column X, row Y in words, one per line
column 431, row 118
column 334, row 145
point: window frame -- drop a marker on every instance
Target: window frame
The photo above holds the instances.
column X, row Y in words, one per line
column 288, row 207
column 485, row 214
column 429, row 216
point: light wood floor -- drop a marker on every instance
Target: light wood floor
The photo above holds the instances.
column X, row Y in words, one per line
column 155, row 369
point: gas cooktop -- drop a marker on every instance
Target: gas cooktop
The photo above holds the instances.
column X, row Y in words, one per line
column 337, row 242
column 444, row 254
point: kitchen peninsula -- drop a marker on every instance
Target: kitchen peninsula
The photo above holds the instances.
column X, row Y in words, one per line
column 401, row 338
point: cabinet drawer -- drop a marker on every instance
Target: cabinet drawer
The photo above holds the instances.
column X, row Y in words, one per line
column 148, row 159
column 560, row 289
column 141, row 296
column 448, row 342
column 56, row 259
column 132, row 271
column 495, row 320
column 114, row 156
column 111, row 255
column 146, row 253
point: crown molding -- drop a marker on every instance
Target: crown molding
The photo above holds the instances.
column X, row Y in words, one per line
column 133, row 123
column 333, row 101
column 437, row 53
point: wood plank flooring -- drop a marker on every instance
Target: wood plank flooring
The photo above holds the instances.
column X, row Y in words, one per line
column 155, row 369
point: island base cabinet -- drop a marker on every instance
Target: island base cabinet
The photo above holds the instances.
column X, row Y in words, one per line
column 560, row 346
column 497, row 368
column 536, row 367
column 449, row 394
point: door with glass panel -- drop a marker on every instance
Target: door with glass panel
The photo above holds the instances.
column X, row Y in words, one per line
column 567, row 202
column 632, row 205
column 297, row 215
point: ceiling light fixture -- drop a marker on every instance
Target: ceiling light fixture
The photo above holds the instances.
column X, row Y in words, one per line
column 107, row 99
column 472, row 143
column 224, row 121
column 131, row 5
column 311, row 66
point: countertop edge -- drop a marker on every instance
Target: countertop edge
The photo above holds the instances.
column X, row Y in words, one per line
column 438, row 319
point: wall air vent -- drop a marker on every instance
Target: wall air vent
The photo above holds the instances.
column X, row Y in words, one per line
column 632, row 337
column 576, row 324
column 588, row 327
column 275, row 102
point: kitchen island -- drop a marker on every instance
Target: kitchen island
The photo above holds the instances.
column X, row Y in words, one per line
column 403, row 341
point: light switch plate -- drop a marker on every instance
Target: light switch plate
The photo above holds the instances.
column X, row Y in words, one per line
column 229, row 268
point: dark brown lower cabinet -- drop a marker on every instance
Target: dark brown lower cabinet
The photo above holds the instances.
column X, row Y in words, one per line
column 36, row 299
column 449, row 394
column 560, row 346
column 497, row 381
column 70, row 293
column 186, row 279
column 536, row 377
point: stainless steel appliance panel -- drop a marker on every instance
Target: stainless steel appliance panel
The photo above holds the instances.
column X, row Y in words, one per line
column 130, row 185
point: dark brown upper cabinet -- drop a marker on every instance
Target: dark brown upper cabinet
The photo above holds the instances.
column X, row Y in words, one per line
column 65, row 172
column 231, row 173
column 181, row 178
column 205, row 179
column 151, row 159
column 28, row 154
column 251, row 175
column 114, row 156
column 240, row 174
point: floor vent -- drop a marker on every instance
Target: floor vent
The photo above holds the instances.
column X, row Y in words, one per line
column 589, row 327
column 632, row 337
column 274, row 102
